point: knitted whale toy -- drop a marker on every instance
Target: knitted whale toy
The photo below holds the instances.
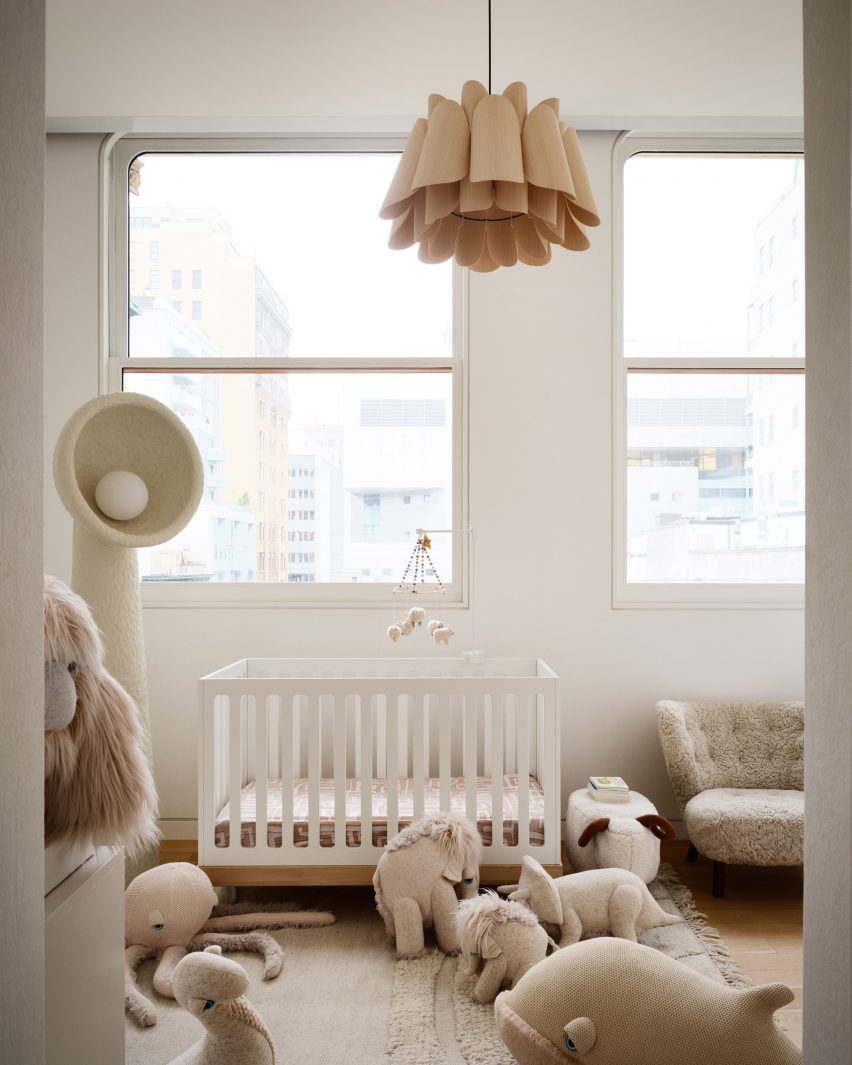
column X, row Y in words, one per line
column 609, row 1002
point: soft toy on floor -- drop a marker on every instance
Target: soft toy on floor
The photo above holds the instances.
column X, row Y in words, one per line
column 212, row 989
column 599, row 900
column 609, row 1002
column 167, row 912
column 504, row 937
column 97, row 782
column 422, row 874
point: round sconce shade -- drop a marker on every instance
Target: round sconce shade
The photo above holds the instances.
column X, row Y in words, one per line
column 126, row 431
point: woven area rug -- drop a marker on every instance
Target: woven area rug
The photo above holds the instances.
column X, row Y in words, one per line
column 343, row 996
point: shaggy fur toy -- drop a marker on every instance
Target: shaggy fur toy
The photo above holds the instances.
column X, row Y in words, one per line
column 167, row 913
column 599, row 900
column 212, row 989
column 423, row 872
column 610, row 1002
column 504, row 937
column 97, row 782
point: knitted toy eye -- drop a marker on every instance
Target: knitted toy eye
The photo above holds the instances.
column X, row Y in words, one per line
column 468, row 880
column 570, row 1044
column 158, row 927
column 72, row 666
column 209, row 1004
column 473, row 953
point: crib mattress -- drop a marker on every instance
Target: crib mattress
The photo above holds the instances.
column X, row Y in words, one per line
column 431, row 802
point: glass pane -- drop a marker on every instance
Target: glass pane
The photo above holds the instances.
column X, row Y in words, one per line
column 716, row 478
column 310, row 477
column 277, row 254
column 714, row 256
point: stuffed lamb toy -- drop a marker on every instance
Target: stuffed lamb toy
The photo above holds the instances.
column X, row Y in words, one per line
column 611, row 1002
column 420, row 878
column 502, row 937
column 212, row 989
column 599, row 900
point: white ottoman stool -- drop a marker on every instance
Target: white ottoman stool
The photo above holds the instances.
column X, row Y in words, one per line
column 621, row 835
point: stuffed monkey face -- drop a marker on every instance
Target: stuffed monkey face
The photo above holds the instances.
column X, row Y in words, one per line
column 60, row 695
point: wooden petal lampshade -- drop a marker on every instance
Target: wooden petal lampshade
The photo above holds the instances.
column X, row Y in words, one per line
column 490, row 184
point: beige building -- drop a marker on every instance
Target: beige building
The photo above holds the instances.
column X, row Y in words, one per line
column 187, row 258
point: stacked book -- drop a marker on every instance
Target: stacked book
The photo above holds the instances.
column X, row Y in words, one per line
column 608, row 789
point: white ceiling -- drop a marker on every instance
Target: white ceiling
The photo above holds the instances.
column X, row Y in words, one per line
column 381, row 58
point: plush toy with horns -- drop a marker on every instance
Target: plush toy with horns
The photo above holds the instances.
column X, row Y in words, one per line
column 98, row 785
column 628, row 838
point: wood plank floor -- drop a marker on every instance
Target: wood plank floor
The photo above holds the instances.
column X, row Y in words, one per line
column 760, row 918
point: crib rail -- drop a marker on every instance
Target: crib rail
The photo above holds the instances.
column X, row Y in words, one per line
column 335, row 729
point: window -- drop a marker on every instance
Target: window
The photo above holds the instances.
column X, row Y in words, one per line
column 708, row 488
column 154, row 250
column 153, row 279
column 361, row 364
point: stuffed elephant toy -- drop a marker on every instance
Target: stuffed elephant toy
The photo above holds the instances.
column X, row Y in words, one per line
column 599, row 900
column 420, row 878
column 609, row 1002
column 502, row 937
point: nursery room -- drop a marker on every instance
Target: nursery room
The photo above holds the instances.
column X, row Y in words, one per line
column 404, row 444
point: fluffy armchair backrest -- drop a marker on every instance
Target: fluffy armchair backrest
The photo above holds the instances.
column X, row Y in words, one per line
column 731, row 745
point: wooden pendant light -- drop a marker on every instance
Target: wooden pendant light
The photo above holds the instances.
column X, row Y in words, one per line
column 490, row 184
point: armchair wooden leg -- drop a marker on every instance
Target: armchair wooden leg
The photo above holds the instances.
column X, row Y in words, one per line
column 691, row 854
column 719, row 880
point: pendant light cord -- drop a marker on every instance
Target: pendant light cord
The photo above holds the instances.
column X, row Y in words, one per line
column 489, row 47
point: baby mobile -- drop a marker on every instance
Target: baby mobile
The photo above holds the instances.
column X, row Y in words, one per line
column 413, row 583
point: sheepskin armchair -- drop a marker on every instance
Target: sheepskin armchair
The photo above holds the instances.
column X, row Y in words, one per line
column 737, row 770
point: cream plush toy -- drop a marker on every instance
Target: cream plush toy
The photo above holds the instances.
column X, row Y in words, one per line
column 610, row 1002
column 423, row 872
column 599, row 900
column 212, row 989
column 503, row 937
column 167, row 913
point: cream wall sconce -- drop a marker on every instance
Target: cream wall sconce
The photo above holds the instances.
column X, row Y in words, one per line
column 489, row 183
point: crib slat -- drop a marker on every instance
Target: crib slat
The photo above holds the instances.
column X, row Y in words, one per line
column 392, row 712
column 523, row 765
column 418, row 751
column 287, row 760
column 207, row 808
column 365, row 781
column 471, row 713
column 235, row 771
column 340, row 772
column 498, row 710
column 444, row 736
column 261, row 771
column 313, row 728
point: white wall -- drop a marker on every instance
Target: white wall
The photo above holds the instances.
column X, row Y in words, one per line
column 540, row 347
column 21, row 602
column 828, row 724
column 340, row 58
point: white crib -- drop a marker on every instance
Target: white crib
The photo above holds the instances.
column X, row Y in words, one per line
column 286, row 744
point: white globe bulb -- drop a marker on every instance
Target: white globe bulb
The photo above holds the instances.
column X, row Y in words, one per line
column 121, row 495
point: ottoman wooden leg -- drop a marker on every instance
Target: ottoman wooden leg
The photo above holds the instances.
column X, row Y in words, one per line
column 691, row 854
column 719, row 880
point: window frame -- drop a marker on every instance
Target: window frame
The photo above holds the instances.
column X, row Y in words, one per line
column 115, row 361
column 695, row 595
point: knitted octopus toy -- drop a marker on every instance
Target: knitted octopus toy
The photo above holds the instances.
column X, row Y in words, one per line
column 167, row 915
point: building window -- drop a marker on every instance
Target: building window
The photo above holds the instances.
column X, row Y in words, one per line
column 154, row 250
column 153, row 279
column 703, row 442
column 312, row 437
